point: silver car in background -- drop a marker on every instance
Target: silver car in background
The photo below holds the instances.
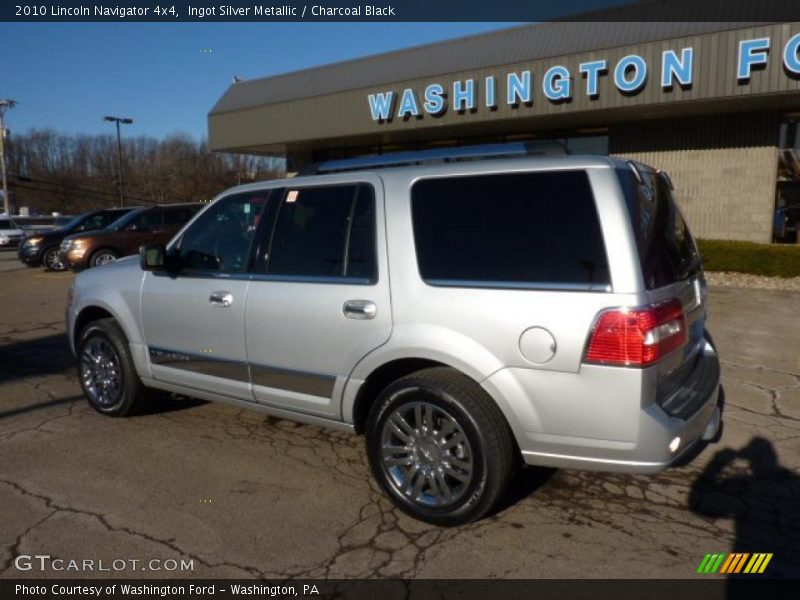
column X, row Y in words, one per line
column 462, row 315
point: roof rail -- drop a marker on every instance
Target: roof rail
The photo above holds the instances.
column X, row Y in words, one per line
column 438, row 155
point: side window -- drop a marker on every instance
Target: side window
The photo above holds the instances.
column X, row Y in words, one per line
column 666, row 250
column 110, row 217
column 179, row 215
column 509, row 229
column 149, row 220
column 325, row 232
column 94, row 222
column 219, row 240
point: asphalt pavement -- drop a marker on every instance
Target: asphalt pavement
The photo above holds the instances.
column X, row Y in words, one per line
column 239, row 494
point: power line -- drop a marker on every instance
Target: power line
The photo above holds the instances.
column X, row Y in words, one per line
column 23, row 182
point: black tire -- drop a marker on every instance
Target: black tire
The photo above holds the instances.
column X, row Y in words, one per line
column 50, row 259
column 490, row 446
column 103, row 256
column 129, row 396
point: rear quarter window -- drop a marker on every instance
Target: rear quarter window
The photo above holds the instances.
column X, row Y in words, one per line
column 509, row 230
column 667, row 252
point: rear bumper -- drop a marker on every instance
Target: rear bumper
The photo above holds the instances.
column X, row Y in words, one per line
column 603, row 418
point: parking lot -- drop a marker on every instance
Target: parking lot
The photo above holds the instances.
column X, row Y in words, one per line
column 244, row 495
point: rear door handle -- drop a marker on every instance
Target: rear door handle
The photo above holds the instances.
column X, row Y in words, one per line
column 359, row 309
column 222, row 299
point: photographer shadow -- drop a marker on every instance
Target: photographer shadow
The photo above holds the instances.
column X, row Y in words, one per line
column 751, row 487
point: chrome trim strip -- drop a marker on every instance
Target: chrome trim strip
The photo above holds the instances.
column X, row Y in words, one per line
column 264, row 408
column 200, row 363
column 260, row 277
column 302, row 382
column 335, row 279
column 517, row 285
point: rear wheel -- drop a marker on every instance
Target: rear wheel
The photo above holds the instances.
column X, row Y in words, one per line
column 440, row 447
column 107, row 373
column 103, row 257
column 51, row 261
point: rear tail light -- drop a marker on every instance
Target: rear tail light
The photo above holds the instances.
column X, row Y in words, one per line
column 637, row 337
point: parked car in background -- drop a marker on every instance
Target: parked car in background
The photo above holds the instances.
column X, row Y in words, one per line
column 146, row 225
column 42, row 247
column 13, row 228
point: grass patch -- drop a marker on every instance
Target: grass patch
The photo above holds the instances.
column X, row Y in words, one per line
column 774, row 260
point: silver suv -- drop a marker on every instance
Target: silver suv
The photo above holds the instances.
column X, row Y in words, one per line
column 462, row 315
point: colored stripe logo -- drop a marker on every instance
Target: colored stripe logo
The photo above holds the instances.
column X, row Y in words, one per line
column 734, row 563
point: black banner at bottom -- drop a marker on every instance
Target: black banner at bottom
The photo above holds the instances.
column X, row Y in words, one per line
column 395, row 589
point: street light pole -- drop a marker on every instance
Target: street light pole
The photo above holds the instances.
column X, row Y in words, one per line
column 125, row 121
column 4, row 105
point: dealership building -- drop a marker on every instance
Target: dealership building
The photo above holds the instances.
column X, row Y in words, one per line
column 716, row 105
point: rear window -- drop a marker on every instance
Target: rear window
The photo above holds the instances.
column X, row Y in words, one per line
column 667, row 252
column 508, row 230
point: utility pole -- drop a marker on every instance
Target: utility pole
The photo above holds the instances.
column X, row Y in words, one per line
column 124, row 121
column 4, row 106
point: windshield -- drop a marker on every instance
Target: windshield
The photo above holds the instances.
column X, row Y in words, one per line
column 126, row 219
column 74, row 222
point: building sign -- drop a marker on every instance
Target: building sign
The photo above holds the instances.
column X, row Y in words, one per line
column 629, row 75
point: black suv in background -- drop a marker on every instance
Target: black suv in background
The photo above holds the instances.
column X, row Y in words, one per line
column 41, row 247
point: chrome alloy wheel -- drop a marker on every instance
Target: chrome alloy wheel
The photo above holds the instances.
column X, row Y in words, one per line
column 52, row 261
column 426, row 455
column 104, row 258
column 101, row 372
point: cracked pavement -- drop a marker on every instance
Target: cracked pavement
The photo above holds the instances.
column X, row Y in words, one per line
column 244, row 495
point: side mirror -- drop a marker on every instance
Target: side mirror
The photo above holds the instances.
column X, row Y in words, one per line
column 153, row 257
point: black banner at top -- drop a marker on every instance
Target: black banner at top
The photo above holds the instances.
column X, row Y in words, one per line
column 170, row 11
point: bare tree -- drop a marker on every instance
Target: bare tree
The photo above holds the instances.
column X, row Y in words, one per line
column 51, row 171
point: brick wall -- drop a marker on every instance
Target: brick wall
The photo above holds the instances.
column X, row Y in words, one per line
column 723, row 167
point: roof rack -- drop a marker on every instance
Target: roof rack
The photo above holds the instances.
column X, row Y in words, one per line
column 438, row 155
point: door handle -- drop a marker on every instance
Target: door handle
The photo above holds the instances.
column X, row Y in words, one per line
column 359, row 309
column 222, row 299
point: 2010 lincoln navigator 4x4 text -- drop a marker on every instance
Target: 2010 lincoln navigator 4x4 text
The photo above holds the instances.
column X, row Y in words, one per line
column 460, row 315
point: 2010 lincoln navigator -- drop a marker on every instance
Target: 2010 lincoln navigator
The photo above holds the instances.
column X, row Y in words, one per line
column 461, row 315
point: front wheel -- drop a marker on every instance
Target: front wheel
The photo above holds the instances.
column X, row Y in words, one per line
column 103, row 257
column 51, row 261
column 440, row 447
column 107, row 373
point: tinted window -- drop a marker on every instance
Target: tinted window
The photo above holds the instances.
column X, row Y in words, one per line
column 666, row 250
column 523, row 228
column 91, row 223
column 325, row 232
column 110, row 216
column 6, row 224
column 219, row 240
column 179, row 215
column 148, row 220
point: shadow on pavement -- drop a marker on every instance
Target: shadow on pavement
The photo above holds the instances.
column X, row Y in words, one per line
column 524, row 483
column 167, row 403
column 46, row 355
column 50, row 355
column 39, row 406
column 762, row 497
